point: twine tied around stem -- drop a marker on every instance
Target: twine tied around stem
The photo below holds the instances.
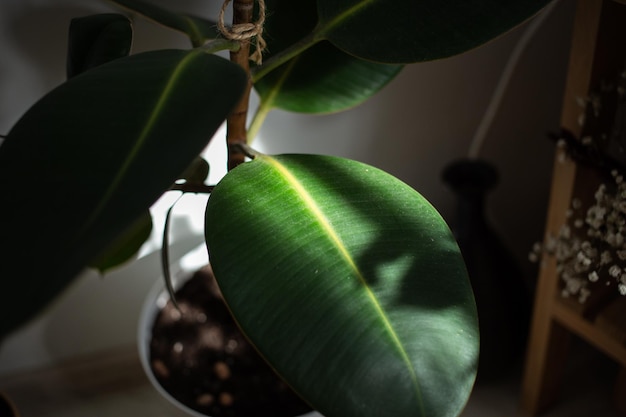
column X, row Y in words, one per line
column 246, row 31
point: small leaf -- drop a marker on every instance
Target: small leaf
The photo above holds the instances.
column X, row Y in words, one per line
column 126, row 246
column 197, row 172
column 343, row 276
column 199, row 30
column 404, row 31
column 92, row 155
column 97, row 39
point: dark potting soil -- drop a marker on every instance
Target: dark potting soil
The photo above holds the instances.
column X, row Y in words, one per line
column 200, row 357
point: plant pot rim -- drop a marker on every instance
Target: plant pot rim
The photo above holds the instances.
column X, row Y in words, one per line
column 156, row 299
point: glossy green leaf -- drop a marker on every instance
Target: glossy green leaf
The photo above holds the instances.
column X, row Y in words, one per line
column 199, row 30
column 322, row 79
column 403, row 31
column 97, row 39
column 348, row 282
column 125, row 247
column 92, row 155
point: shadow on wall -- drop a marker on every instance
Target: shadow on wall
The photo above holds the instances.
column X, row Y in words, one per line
column 110, row 319
column 39, row 34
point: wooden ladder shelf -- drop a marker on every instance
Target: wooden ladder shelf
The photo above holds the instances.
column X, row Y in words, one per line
column 598, row 45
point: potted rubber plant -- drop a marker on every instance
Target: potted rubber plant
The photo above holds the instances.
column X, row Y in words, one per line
column 345, row 280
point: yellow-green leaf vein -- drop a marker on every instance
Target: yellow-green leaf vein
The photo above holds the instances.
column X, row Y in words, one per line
column 142, row 137
column 340, row 18
column 267, row 102
column 337, row 242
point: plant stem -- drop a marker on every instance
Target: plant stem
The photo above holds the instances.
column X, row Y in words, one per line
column 258, row 119
column 217, row 45
column 192, row 188
column 236, row 132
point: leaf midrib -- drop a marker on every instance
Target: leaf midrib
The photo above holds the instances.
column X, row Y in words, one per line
column 141, row 138
column 336, row 240
column 325, row 27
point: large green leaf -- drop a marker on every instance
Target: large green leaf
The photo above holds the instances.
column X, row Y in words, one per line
column 97, row 39
column 322, row 79
column 92, row 155
column 199, row 30
column 348, row 282
column 403, row 31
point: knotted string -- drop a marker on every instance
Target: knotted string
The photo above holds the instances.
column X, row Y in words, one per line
column 246, row 31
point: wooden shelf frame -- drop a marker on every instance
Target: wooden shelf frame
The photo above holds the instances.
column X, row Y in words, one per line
column 554, row 322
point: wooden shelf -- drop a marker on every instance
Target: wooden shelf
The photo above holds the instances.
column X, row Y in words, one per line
column 595, row 334
column 597, row 49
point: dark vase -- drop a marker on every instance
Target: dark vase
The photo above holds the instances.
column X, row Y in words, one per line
column 502, row 298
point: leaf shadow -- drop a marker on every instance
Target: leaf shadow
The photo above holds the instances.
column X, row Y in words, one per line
column 437, row 249
column 414, row 269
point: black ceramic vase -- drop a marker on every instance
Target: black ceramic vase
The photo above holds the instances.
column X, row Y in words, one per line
column 501, row 296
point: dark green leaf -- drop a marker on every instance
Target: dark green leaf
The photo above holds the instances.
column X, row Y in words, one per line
column 199, row 30
column 91, row 156
column 96, row 39
column 324, row 79
column 287, row 22
column 403, row 31
column 126, row 246
column 348, row 282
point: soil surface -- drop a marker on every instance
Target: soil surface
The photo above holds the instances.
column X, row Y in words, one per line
column 201, row 358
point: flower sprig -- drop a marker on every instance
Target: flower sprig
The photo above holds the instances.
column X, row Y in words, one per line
column 591, row 246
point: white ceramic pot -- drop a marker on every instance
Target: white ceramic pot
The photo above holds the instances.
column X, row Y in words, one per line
column 156, row 299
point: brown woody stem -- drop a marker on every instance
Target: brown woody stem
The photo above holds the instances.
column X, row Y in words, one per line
column 236, row 133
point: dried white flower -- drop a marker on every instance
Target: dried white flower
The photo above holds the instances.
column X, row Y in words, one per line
column 615, row 271
column 586, row 247
column 595, row 216
column 583, row 259
column 615, row 239
column 574, row 285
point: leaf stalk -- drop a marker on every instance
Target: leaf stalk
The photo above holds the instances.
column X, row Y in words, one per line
column 236, row 132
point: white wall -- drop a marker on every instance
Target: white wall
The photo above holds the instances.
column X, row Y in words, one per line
column 422, row 121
